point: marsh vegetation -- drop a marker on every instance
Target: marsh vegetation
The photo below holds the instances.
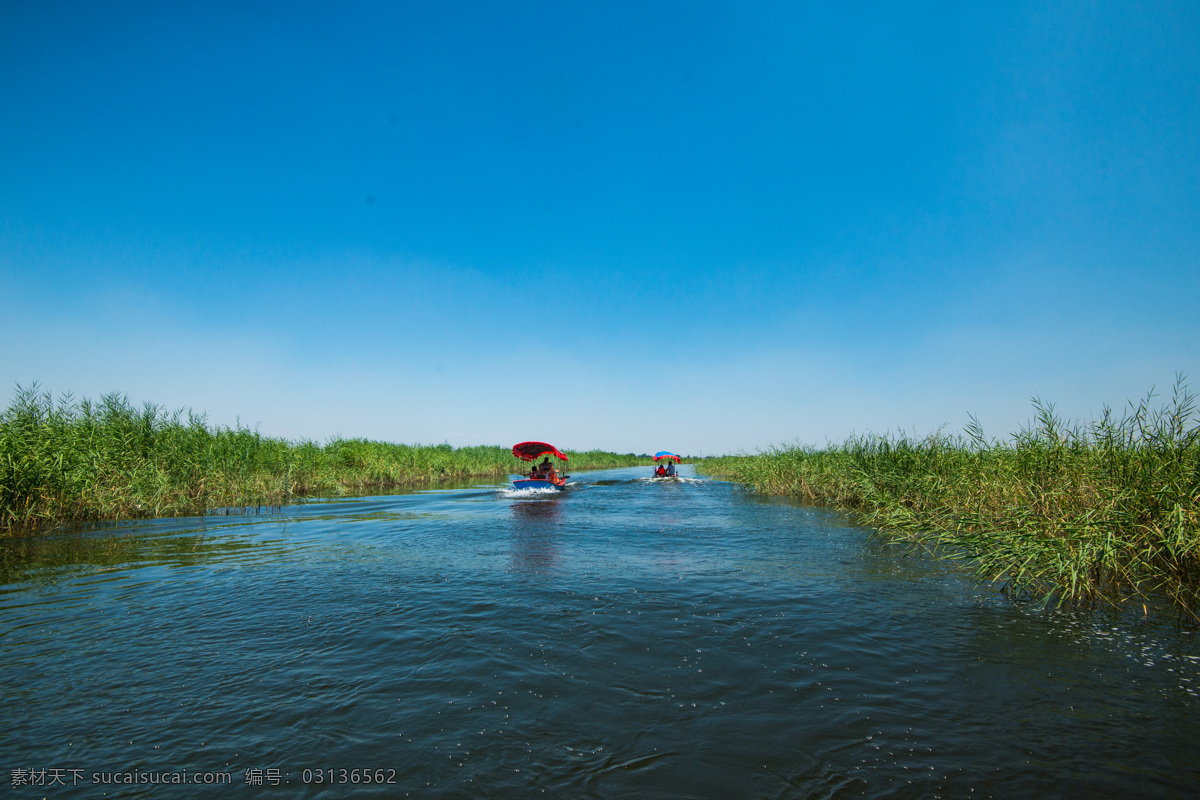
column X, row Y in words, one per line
column 1106, row 510
column 78, row 461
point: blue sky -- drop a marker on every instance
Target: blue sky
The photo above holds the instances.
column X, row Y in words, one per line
column 704, row 227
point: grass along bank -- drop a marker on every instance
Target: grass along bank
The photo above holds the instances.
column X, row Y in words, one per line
column 82, row 461
column 1107, row 510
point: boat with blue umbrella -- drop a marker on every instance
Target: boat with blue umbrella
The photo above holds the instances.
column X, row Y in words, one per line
column 666, row 472
column 542, row 476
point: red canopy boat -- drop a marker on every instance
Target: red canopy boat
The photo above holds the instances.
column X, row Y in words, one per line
column 532, row 451
column 669, row 472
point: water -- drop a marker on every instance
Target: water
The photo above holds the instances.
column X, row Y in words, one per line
column 622, row 639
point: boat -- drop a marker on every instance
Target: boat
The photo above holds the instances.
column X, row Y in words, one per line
column 532, row 451
column 669, row 457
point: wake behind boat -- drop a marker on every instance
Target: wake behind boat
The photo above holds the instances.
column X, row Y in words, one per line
column 544, row 475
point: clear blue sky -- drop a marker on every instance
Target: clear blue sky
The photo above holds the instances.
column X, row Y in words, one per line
column 704, row 227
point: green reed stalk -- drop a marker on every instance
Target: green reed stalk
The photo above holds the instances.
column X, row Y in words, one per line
column 78, row 461
column 1108, row 510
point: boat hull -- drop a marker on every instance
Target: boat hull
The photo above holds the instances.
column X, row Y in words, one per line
column 532, row 483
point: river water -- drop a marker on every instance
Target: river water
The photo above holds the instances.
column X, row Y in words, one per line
column 625, row 638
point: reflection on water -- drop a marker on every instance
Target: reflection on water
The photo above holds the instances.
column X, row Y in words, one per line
column 625, row 639
column 534, row 531
column 50, row 559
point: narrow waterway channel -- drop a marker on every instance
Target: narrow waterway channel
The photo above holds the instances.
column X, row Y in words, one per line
column 625, row 638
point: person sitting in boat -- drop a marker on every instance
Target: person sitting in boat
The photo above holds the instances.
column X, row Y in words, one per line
column 545, row 469
column 670, row 469
column 660, row 472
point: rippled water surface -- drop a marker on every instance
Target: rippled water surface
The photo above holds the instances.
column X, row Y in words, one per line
column 621, row 639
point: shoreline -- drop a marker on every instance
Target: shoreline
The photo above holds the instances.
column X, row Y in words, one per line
column 1103, row 512
column 84, row 462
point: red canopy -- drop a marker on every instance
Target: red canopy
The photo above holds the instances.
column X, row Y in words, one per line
column 531, row 451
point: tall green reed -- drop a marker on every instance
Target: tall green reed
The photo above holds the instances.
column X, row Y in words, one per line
column 1107, row 510
column 78, row 460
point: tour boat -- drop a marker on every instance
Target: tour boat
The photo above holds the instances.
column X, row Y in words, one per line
column 532, row 451
column 664, row 455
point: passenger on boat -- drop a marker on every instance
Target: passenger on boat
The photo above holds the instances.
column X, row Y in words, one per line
column 545, row 470
column 670, row 469
column 660, row 472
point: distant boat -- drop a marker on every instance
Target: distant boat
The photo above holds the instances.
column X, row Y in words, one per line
column 672, row 460
column 532, row 451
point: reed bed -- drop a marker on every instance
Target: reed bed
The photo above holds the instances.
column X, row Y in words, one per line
column 84, row 461
column 1107, row 510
